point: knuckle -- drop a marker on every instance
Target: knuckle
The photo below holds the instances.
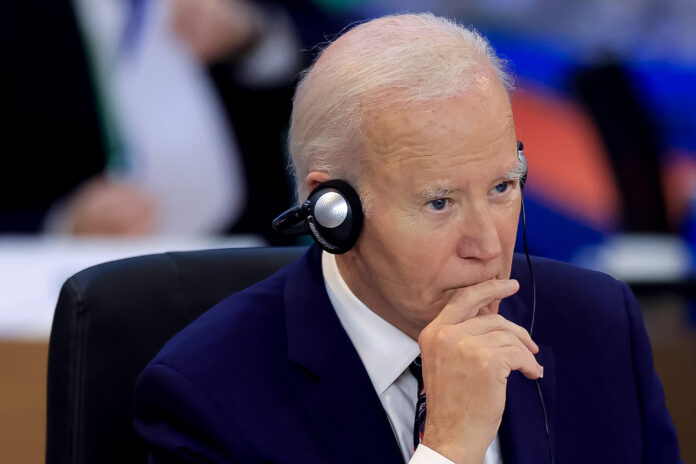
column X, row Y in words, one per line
column 465, row 349
column 522, row 332
column 441, row 336
column 425, row 335
column 483, row 357
column 434, row 336
column 468, row 298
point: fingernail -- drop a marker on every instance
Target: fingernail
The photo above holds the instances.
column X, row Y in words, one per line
column 541, row 371
column 513, row 283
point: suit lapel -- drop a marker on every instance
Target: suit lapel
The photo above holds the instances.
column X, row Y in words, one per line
column 522, row 431
column 342, row 402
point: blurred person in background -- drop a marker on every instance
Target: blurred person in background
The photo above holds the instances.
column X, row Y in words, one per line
column 136, row 117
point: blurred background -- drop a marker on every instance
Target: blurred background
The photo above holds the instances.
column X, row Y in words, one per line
column 139, row 126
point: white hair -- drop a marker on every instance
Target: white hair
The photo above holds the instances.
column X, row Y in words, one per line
column 395, row 61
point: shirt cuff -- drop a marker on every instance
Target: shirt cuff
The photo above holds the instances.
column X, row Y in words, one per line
column 425, row 455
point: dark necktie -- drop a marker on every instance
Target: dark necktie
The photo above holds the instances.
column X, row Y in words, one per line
column 416, row 368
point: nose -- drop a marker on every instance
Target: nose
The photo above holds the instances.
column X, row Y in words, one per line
column 480, row 239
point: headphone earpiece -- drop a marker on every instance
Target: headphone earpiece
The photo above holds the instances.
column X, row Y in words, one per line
column 332, row 214
column 523, row 160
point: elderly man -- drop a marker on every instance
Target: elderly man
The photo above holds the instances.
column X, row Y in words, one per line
column 412, row 344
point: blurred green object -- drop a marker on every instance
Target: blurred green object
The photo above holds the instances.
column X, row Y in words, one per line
column 337, row 6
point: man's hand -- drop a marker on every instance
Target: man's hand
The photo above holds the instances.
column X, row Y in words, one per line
column 216, row 29
column 468, row 352
column 105, row 207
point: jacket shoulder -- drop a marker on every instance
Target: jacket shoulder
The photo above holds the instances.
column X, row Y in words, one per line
column 558, row 272
column 573, row 299
column 560, row 279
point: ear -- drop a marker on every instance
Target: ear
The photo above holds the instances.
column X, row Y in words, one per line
column 315, row 178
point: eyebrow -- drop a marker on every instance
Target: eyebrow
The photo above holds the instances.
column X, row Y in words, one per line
column 435, row 193
column 518, row 171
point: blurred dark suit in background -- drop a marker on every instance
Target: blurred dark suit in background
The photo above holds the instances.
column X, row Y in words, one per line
column 54, row 137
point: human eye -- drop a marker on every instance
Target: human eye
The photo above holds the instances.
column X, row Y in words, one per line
column 438, row 204
column 503, row 187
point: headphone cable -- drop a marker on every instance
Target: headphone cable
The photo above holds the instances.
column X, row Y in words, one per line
column 531, row 326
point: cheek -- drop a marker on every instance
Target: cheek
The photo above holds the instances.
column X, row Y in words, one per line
column 393, row 241
column 426, row 266
column 506, row 224
column 412, row 258
column 507, row 231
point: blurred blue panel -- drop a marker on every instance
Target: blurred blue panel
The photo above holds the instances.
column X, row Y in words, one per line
column 542, row 61
column 669, row 90
column 552, row 234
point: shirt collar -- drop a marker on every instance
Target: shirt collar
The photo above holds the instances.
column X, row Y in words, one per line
column 384, row 350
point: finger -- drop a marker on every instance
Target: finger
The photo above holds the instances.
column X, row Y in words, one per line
column 490, row 308
column 504, row 338
column 144, row 227
column 517, row 359
column 136, row 217
column 481, row 325
column 467, row 301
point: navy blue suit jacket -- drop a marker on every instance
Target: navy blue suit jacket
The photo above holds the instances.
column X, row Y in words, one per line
column 269, row 375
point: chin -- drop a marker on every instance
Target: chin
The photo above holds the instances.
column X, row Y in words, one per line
column 425, row 317
column 418, row 316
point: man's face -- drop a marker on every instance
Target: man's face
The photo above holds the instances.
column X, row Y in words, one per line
column 443, row 209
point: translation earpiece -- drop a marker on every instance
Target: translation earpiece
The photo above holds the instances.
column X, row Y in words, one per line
column 523, row 160
column 332, row 214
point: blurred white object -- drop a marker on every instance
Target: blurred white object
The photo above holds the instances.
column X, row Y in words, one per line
column 177, row 141
column 33, row 269
column 177, row 146
column 639, row 258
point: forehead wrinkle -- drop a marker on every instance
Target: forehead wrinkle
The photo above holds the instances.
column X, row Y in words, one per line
column 409, row 155
column 395, row 148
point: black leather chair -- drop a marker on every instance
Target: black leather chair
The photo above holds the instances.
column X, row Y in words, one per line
column 110, row 320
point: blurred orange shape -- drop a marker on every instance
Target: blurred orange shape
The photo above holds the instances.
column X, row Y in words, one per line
column 568, row 164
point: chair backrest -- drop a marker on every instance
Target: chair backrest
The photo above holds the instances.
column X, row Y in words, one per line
column 110, row 320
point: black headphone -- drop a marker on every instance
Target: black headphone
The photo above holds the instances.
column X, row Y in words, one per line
column 523, row 160
column 333, row 214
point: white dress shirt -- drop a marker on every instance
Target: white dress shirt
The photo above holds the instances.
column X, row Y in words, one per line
column 386, row 353
column 177, row 145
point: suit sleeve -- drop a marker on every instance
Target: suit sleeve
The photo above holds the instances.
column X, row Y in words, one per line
column 660, row 437
column 181, row 424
